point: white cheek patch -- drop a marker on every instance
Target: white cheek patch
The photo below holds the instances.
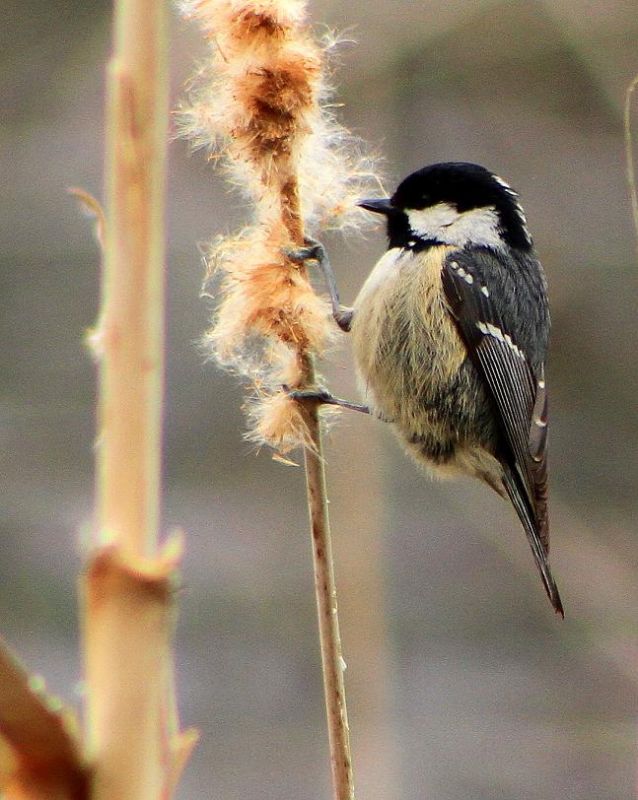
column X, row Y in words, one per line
column 442, row 222
column 479, row 226
column 425, row 222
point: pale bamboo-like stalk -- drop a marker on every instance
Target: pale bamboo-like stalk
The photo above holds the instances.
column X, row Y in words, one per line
column 131, row 325
column 127, row 585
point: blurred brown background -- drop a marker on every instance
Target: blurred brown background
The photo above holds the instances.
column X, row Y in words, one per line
column 462, row 684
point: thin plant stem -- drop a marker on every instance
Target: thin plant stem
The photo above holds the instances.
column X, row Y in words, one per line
column 324, row 578
column 326, row 598
column 629, row 155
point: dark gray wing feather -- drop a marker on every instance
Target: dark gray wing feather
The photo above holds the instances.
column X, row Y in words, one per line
column 500, row 309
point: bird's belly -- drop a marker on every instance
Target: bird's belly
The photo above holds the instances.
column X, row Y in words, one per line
column 413, row 366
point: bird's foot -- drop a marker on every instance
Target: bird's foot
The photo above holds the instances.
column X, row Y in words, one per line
column 321, row 396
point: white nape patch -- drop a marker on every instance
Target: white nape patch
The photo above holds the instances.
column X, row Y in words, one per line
column 485, row 291
column 496, row 333
column 479, row 226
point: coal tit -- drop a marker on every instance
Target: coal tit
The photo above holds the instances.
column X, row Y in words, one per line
column 450, row 333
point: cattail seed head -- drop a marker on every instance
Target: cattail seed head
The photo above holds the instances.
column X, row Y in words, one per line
column 259, row 102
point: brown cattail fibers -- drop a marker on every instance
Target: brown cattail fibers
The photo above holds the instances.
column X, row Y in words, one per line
column 262, row 103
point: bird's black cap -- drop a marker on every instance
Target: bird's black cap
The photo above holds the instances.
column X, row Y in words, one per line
column 464, row 186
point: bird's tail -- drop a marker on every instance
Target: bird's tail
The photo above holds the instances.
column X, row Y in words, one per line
column 531, row 525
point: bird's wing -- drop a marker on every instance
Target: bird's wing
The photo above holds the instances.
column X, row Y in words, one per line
column 506, row 341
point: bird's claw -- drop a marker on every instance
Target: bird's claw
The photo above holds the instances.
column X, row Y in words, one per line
column 316, row 395
column 322, row 396
column 312, row 251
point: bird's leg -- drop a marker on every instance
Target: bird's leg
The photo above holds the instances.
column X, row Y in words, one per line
column 323, row 397
column 315, row 251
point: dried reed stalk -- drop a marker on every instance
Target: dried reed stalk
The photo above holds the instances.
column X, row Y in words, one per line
column 261, row 100
column 132, row 749
column 132, row 740
column 629, row 155
column 40, row 748
column 131, row 325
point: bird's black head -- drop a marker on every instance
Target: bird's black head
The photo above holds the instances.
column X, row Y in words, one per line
column 453, row 203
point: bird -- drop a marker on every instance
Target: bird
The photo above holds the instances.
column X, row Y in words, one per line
column 450, row 334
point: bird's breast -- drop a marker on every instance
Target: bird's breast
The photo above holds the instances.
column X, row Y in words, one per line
column 406, row 345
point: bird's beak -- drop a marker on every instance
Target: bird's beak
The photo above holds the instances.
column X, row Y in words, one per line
column 382, row 205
